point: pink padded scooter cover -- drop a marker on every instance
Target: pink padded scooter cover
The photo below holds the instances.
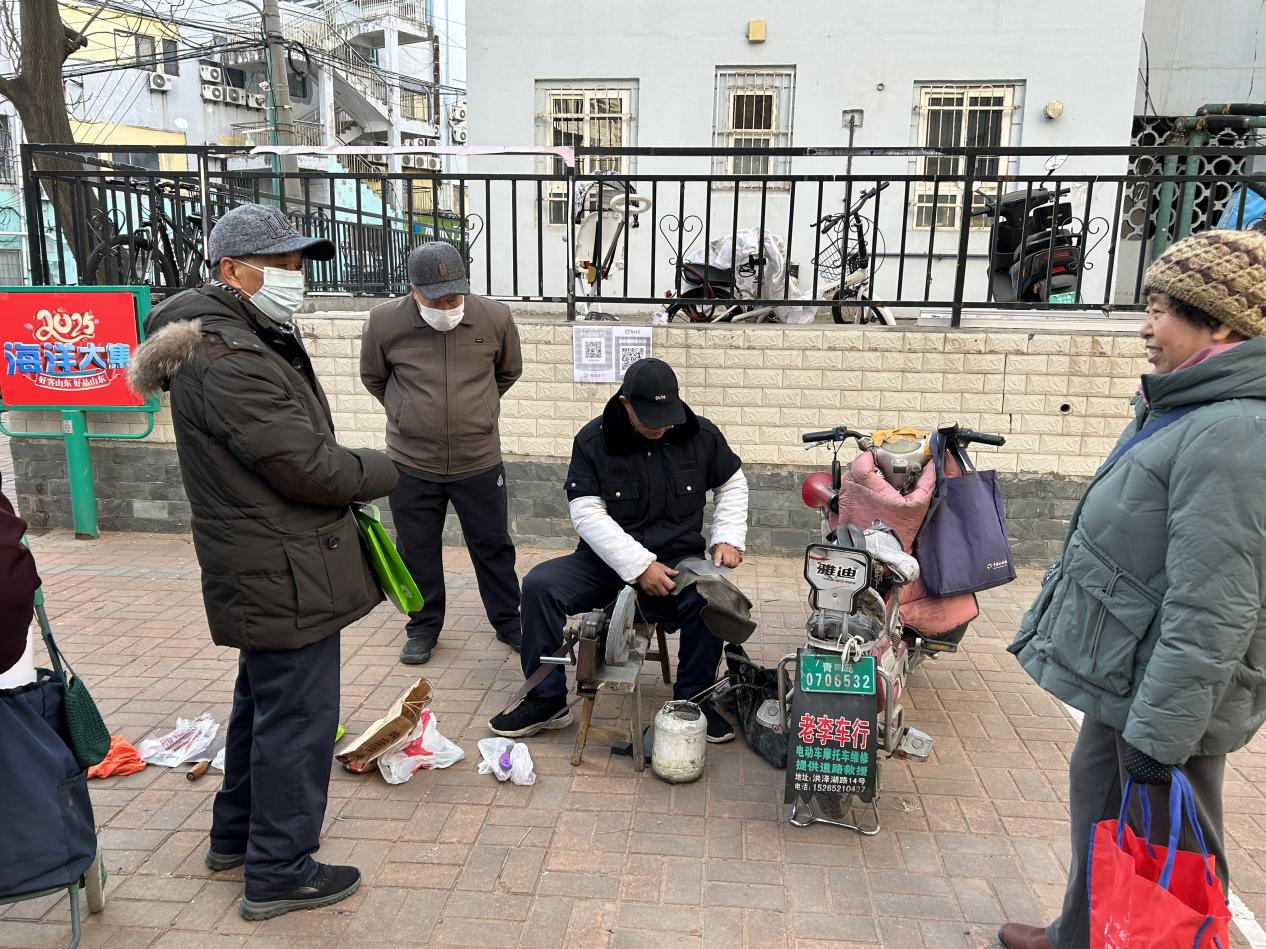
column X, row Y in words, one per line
column 865, row 497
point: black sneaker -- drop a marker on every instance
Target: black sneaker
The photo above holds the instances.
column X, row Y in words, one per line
column 417, row 650
column 223, row 861
column 511, row 637
column 719, row 730
column 530, row 716
column 329, row 884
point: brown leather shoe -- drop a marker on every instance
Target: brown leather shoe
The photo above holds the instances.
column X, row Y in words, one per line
column 1020, row 936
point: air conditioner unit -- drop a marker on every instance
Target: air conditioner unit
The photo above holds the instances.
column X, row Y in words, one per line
column 459, row 113
column 257, row 101
column 213, row 93
column 459, row 136
column 211, row 74
column 235, row 96
column 160, row 82
column 430, row 162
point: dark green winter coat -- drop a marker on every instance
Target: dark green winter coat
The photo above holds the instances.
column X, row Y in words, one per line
column 268, row 484
column 1154, row 620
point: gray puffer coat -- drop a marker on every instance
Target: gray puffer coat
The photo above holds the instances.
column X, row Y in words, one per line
column 1154, row 620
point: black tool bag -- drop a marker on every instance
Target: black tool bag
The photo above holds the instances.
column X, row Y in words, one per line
column 752, row 685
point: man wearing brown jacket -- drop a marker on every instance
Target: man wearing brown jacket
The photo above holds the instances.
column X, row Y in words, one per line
column 439, row 361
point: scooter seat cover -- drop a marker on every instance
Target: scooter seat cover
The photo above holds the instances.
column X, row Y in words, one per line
column 866, row 497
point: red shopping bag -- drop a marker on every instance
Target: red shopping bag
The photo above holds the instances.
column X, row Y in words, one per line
column 1142, row 897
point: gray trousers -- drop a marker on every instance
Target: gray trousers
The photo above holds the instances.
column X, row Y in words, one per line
column 1096, row 777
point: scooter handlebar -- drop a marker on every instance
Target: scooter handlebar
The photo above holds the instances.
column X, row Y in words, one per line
column 812, row 437
column 965, row 436
column 838, row 434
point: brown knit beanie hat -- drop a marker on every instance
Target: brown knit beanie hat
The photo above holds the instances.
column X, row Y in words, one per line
column 1222, row 273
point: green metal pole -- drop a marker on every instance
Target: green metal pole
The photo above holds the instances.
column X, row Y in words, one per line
column 1164, row 208
column 83, row 497
column 1187, row 205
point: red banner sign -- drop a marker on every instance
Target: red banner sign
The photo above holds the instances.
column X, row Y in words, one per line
column 68, row 350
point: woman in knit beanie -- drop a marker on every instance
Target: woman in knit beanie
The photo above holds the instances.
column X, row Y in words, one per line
column 1153, row 622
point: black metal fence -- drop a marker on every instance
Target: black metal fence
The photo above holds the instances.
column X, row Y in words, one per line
column 864, row 232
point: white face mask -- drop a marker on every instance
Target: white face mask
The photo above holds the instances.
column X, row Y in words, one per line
column 442, row 320
column 281, row 295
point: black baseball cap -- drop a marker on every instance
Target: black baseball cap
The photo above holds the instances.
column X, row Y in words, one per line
column 650, row 385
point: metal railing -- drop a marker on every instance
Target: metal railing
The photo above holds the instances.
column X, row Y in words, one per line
column 259, row 133
column 538, row 235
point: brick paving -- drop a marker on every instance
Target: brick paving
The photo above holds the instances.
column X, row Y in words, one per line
column 592, row 856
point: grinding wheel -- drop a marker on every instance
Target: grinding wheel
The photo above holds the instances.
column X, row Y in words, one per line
column 620, row 627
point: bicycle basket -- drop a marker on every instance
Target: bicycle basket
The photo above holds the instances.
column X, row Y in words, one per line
column 828, row 262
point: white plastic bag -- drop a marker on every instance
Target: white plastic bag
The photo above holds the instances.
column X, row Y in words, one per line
column 507, row 759
column 176, row 747
column 423, row 747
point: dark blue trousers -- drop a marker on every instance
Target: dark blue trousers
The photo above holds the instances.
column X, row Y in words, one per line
column 277, row 764
column 558, row 588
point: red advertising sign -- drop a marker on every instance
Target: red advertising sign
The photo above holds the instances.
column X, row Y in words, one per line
column 68, row 349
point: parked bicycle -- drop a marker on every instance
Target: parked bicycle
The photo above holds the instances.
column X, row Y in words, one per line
column 601, row 222
column 162, row 250
column 847, row 270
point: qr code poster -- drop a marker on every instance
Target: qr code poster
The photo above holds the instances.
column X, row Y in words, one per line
column 603, row 353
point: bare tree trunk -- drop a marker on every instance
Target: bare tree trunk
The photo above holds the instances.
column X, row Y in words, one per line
column 38, row 96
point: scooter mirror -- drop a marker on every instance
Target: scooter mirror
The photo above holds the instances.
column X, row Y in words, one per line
column 1053, row 163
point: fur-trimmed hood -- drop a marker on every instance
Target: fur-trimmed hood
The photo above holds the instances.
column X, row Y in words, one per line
column 161, row 355
column 175, row 329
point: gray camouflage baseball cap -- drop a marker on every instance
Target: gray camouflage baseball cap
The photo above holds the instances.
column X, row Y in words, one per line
column 437, row 269
column 255, row 229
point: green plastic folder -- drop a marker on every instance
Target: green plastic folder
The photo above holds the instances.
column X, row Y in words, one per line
column 393, row 576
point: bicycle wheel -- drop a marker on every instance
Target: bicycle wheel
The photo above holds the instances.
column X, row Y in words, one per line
column 851, row 310
column 697, row 307
column 129, row 260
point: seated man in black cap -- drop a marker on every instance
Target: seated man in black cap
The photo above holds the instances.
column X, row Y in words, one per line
column 637, row 484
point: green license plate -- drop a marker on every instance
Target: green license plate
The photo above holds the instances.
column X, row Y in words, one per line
column 826, row 673
column 1069, row 297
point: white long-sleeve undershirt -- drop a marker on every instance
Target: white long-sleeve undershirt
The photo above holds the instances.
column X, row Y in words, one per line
column 627, row 557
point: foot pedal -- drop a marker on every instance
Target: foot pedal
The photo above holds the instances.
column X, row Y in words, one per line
column 769, row 715
column 915, row 744
column 935, row 647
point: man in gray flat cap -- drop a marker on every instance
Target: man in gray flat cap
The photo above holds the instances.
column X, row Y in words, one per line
column 283, row 571
column 439, row 360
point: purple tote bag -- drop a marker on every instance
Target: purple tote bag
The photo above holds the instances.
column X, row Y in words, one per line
column 962, row 545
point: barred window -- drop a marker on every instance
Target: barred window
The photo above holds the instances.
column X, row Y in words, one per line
column 591, row 115
column 963, row 115
column 753, row 109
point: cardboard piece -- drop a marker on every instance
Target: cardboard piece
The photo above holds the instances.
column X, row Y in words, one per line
column 363, row 752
